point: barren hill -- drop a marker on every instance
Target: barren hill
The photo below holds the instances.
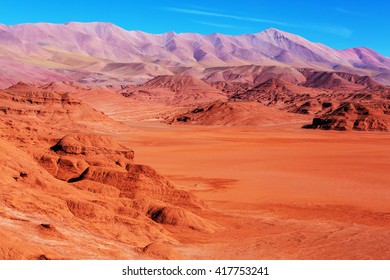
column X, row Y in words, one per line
column 175, row 90
column 68, row 186
column 235, row 114
column 366, row 116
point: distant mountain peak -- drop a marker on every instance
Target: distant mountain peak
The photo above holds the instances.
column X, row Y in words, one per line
column 274, row 31
column 278, row 33
column 84, row 49
column 91, row 23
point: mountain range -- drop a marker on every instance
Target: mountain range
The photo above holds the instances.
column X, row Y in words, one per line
column 120, row 144
column 103, row 53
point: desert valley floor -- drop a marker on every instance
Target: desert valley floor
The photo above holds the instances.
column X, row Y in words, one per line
column 278, row 192
column 119, row 144
column 73, row 189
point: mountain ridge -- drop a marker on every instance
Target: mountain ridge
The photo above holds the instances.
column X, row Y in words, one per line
column 81, row 51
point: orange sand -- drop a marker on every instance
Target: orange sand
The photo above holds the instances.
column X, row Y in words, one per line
column 271, row 191
column 279, row 192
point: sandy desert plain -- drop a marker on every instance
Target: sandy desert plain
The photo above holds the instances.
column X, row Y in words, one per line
column 276, row 191
column 212, row 165
column 271, row 191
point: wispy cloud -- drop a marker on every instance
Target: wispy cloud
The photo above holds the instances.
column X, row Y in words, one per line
column 223, row 15
column 330, row 29
column 348, row 12
column 216, row 24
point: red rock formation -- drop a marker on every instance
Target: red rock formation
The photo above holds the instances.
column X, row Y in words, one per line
column 176, row 90
column 83, row 190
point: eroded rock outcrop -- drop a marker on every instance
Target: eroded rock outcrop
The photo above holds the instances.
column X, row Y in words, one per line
column 64, row 185
column 355, row 116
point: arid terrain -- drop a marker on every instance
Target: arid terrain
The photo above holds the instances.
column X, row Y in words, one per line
column 164, row 149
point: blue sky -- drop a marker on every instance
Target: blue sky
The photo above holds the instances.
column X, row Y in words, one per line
column 338, row 24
